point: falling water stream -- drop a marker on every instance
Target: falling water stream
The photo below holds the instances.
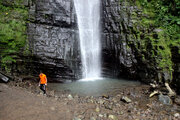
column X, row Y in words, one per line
column 88, row 17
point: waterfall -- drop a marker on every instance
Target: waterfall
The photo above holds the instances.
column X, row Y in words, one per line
column 88, row 17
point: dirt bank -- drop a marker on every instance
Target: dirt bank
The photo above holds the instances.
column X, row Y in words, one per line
column 24, row 102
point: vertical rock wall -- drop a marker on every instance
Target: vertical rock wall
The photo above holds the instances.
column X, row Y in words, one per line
column 118, row 57
column 121, row 58
column 54, row 39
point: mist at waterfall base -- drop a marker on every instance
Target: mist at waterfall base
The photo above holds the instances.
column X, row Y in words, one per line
column 99, row 87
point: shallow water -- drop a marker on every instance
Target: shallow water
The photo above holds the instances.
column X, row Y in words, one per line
column 93, row 87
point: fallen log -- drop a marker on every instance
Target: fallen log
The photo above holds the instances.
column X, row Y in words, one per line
column 171, row 92
column 154, row 93
column 4, row 77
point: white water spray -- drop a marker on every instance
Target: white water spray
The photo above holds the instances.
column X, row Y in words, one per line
column 88, row 16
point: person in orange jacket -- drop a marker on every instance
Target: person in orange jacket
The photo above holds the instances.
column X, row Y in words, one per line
column 43, row 82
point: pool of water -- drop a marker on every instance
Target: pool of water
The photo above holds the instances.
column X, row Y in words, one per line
column 93, row 87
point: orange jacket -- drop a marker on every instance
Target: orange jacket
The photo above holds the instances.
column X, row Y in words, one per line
column 43, row 79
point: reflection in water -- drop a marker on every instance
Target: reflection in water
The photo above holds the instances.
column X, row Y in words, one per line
column 93, row 88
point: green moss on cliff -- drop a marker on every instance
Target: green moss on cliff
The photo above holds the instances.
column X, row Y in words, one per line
column 161, row 29
column 12, row 31
column 156, row 28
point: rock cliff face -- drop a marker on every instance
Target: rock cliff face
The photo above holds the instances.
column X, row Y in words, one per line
column 128, row 50
column 120, row 58
column 117, row 56
column 53, row 36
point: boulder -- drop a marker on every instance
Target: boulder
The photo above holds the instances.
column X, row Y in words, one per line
column 165, row 99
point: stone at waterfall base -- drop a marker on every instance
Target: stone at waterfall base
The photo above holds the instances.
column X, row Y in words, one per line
column 165, row 99
column 112, row 117
column 126, row 99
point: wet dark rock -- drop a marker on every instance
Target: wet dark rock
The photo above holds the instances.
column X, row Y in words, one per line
column 176, row 67
column 165, row 99
column 119, row 54
column 55, row 52
column 53, row 40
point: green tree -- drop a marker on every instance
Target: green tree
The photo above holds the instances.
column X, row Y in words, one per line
column 12, row 32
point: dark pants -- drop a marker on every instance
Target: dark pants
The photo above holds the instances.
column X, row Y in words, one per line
column 43, row 88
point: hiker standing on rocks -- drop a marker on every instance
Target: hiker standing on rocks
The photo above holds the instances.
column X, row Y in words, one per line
column 43, row 82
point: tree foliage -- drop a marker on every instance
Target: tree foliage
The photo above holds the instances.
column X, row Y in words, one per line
column 12, row 32
column 164, row 16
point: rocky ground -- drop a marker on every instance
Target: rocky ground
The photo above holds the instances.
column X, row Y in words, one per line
column 24, row 101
